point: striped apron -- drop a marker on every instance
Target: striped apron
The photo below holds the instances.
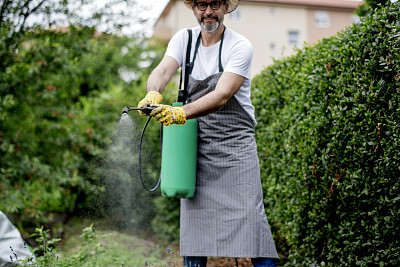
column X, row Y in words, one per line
column 225, row 217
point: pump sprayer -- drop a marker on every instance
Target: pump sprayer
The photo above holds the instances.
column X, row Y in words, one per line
column 179, row 147
column 178, row 156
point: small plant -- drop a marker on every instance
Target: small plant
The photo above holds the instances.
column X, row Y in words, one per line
column 92, row 249
column 87, row 254
column 45, row 246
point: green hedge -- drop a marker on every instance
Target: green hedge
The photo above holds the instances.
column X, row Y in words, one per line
column 329, row 136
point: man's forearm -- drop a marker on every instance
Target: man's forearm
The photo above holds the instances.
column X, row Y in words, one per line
column 162, row 74
column 227, row 86
column 205, row 105
column 157, row 81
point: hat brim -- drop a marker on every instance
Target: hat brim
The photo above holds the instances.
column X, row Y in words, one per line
column 233, row 4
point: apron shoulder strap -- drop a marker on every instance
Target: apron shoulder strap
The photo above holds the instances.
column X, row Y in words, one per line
column 182, row 96
column 221, row 69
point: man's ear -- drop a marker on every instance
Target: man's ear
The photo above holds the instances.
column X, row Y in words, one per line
column 226, row 7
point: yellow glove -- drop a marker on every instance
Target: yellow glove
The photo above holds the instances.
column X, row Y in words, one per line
column 152, row 98
column 168, row 115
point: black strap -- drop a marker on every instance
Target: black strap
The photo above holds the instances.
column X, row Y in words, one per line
column 221, row 69
column 182, row 96
column 195, row 53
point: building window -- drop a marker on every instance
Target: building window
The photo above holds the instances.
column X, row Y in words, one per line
column 272, row 10
column 272, row 46
column 293, row 37
column 236, row 14
column 322, row 19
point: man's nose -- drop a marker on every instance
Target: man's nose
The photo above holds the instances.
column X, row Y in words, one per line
column 208, row 9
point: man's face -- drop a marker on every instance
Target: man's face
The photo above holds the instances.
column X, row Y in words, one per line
column 210, row 14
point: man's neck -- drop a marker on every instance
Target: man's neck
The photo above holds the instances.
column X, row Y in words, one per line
column 211, row 38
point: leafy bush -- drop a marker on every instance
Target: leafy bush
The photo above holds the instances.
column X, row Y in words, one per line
column 369, row 6
column 62, row 93
column 328, row 136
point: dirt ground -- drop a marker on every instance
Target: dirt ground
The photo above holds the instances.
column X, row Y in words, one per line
column 220, row 262
column 228, row 262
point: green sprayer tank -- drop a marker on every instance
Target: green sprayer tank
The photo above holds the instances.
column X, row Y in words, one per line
column 178, row 159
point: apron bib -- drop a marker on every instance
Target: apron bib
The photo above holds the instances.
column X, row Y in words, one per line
column 225, row 217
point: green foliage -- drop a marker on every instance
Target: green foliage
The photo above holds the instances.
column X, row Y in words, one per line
column 369, row 6
column 61, row 98
column 166, row 222
column 328, row 138
column 16, row 17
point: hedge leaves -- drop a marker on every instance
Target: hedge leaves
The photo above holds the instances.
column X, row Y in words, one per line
column 328, row 135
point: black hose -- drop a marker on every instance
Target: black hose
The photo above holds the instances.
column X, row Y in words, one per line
column 140, row 159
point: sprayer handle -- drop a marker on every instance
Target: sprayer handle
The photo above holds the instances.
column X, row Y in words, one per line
column 148, row 110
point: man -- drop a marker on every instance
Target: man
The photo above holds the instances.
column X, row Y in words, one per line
column 225, row 217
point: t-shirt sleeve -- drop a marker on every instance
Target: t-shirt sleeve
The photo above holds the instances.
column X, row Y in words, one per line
column 239, row 59
column 177, row 46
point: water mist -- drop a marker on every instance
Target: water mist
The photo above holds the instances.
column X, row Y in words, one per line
column 124, row 201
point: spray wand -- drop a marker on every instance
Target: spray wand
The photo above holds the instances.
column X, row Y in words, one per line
column 147, row 111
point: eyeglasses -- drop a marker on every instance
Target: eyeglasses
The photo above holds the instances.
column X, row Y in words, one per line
column 202, row 6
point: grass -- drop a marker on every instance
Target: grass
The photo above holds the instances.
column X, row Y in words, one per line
column 100, row 245
column 117, row 248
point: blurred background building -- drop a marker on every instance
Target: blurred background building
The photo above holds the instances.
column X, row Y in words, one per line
column 274, row 27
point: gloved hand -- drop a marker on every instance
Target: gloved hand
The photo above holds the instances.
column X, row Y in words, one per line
column 152, row 98
column 168, row 115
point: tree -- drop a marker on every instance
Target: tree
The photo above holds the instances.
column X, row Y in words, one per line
column 17, row 16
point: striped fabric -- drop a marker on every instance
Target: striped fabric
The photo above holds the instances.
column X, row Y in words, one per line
column 226, row 216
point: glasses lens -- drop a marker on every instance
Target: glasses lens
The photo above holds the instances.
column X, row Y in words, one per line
column 202, row 6
column 215, row 5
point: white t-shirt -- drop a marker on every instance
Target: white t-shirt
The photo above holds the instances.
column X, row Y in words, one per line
column 237, row 53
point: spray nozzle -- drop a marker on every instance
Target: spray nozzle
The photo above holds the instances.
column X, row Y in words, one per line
column 146, row 110
column 125, row 110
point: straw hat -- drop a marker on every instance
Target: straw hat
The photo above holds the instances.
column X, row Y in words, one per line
column 232, row 4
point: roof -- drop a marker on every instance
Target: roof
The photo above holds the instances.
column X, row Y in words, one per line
column 352, row 4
